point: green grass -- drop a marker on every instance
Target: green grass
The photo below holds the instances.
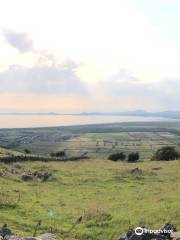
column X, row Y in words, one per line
column 108, row 196
column 8, row 152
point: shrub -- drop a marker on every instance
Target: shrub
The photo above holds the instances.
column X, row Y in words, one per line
column 117, row 157
column 166, row 153
column 133, row 157
column 27, row 151
column 58, row 154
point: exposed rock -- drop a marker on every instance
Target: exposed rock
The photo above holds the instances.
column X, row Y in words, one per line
column 136, row 171
column 13, row 171
column 16, row 238
column 7, row 234
column 27, row 176
column 46, row 236
column 175, row 235
column 166, row 232
column 2, row 173
column 44, row 176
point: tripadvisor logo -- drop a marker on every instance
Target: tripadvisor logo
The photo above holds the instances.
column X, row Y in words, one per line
column 140, row 231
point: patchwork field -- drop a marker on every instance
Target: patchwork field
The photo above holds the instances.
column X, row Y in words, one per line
column 96, row 141
column 102, row 144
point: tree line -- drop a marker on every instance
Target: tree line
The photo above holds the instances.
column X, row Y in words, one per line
column 121, row 156
column 166, row 153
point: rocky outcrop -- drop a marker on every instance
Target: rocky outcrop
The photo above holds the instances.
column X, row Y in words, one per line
column 166, row 232
column 175, row 235
column 46, row 236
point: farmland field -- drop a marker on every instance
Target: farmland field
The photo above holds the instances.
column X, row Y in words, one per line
column 96, row 141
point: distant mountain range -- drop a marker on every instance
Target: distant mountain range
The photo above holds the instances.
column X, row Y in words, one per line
column 167, row 114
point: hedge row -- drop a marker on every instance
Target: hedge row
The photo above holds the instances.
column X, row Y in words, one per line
column 24, row 158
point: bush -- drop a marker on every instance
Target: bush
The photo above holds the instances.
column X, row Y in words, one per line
column 27, row 151
column 58, row 154
column 166, row 153
column 133, row 157
column 117, row 157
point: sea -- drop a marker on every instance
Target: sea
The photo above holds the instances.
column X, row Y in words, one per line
column 35, row 121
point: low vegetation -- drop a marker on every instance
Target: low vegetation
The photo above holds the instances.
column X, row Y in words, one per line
column 132, row 157
column 117, row 157
column 166, row 153
column 109, row 196
column 27, row 151
column 58, row 154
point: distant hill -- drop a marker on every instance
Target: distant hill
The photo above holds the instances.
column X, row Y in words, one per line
column 168, row 114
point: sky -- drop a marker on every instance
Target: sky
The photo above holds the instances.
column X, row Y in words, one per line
column 89, row 55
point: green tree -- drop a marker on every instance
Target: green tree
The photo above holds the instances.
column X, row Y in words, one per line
column 27, row 151
column 117, row 156
column 133, row 157
column 58, row 154
column 166, row 153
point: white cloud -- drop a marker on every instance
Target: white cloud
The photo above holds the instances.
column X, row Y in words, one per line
column 103, row 35
column 53, row 80
column 19, row 40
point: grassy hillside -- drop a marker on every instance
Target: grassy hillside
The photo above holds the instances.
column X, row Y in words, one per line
column 8, row 152
column 110, row 197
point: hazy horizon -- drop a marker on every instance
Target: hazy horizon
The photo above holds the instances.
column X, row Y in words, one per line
column 130, row 111
column 89, row 56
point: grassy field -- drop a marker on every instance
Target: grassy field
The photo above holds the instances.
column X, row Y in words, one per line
column 108, row 195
